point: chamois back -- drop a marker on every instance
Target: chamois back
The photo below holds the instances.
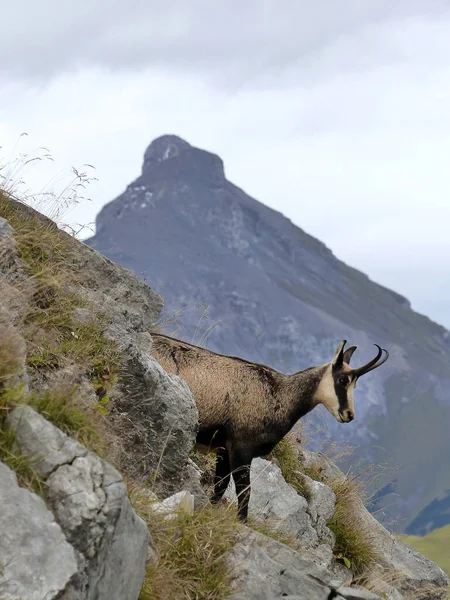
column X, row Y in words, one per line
column 227, row 389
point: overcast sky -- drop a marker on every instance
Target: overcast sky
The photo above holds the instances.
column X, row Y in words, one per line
column 336, row 113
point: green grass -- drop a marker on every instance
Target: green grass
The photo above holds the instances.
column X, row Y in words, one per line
column 10, row 454
column 435, row 546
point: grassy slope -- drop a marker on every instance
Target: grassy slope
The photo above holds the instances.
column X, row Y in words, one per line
column 435, row 546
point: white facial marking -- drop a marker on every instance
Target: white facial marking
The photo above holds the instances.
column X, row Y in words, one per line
column 326, row 394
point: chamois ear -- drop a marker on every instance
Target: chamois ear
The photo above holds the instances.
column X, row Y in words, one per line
column 348, row 354
column 338, row 357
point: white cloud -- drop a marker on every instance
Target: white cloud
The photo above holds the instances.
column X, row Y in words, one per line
column 338, row 119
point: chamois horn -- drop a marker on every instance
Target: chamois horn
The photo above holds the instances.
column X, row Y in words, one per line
column 372, row 364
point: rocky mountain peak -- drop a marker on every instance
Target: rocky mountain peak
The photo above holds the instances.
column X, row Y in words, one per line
column 170, row 147
column 162, row 148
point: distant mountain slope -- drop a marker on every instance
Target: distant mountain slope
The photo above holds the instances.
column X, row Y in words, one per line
column 435, row 546
column 279, row 296
column 433, row 516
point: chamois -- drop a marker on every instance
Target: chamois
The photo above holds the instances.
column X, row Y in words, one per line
column 246, row 408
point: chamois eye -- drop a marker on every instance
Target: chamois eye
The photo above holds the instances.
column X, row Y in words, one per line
column 343, row 380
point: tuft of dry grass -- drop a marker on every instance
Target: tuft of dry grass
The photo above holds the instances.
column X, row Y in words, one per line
column 286, row 456
column 354, row 541
column 67, row 409
column 190, row 551
column 11, row 456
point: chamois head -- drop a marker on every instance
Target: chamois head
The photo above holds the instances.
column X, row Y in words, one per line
column 335, row 390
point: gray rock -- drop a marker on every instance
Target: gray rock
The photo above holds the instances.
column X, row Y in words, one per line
column 326, row 467
column 321, row 556
column 193, row 484
column 415, row 572
column 83, row 315
column 122, row 558
column 355, row 593
column 340, row 573
column 36, row 560
column 13, row 350
column 264, row 569
column 272, row 498
column 161, row 414
column 321, row 503
column 89, row 500
column 182, row 501
column 48, row 447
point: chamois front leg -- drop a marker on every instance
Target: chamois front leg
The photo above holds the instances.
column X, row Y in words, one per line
column 240, row 467
column 222, row 476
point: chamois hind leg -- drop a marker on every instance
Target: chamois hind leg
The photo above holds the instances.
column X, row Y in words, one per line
column 240, row 467
column 222, row 476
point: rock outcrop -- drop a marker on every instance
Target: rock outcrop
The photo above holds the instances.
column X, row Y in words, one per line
column 88, row 499
column 412, row 570
column 267, row 570
column 273, row 500
column 36, row 560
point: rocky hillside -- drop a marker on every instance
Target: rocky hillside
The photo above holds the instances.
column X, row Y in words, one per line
column 242, row 279
column 100, row 495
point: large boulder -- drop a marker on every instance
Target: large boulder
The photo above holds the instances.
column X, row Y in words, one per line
column 36, row 560
column 275, row 500
column 89, row 501
column 264, row 569
column 158, row 416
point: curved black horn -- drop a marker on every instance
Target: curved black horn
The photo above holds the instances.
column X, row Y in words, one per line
column 372, row 364
column 348, row 354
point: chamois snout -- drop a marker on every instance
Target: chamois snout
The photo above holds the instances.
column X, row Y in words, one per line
column 347, row 415
column 335, row 390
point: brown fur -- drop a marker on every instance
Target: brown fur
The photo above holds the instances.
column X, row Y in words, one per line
column 240, row 395
column 246, row 408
